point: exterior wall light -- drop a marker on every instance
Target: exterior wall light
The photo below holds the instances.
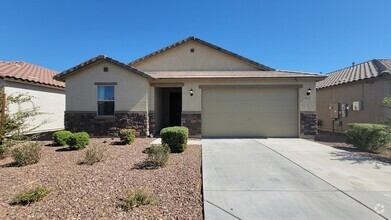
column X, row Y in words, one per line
column 191, row 92
column 308, row 92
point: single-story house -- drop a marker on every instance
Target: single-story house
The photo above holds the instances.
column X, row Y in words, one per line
column 354, row 95
column 210, row 90
column 36, row 81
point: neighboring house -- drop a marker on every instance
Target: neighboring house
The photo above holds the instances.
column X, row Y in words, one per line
column 47, row 94
column 353, row 95
column 212, row 91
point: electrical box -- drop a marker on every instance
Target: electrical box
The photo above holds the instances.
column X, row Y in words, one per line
column 335, row 110
column 357, row 106
column 343, row 110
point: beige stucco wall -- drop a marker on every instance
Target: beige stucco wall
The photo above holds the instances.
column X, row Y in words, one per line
column 131, row 91
column 370, row 93
column 49, row 100
column 203, row 58
column 193, row 103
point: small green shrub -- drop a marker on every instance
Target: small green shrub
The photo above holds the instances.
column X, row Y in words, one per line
column 28, row 153
column 31, row 196
column 135, row 199
column 60, row 137
column 175, row 138
column 368, row 137
column 158, row 155
column 78, row 140
column 127, row 136
column 94, row 154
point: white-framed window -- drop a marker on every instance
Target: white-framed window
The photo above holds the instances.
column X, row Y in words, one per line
column 106, row 100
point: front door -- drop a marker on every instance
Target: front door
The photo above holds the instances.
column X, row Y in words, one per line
column 175, row 108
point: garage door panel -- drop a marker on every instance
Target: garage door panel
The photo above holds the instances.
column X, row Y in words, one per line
column 249, row 112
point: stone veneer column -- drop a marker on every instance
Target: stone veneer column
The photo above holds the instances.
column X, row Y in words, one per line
column 308, row 123
column 107, row 125
column 152, row 122
column 192, row 120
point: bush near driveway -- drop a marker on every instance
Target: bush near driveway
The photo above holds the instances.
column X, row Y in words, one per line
column 31, row 196
column 175, row 138
column 127, row 136
column 369, row 137
column 60, row 137
column 78, row 140
column 26, row 154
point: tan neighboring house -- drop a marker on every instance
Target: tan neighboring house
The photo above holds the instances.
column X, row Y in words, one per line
column 354, row 95
column 212, row 91
column 47, row 94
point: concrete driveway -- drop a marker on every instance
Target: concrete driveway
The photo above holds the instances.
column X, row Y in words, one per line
column 291, row 179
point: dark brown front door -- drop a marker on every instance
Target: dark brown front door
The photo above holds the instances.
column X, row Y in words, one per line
column 175, row 108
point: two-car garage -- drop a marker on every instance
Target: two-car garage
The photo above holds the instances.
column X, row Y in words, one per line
column 249, row 111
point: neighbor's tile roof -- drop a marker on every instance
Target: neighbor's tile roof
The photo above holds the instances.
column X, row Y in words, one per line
column 62, row 75
column 21, row 70
column 230, row 74
column 256, row 64
column 370, row 69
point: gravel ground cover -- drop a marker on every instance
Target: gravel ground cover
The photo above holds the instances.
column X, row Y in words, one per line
column 93, row 192
column 337, row 140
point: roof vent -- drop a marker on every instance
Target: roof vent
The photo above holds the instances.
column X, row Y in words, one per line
column 353, row 63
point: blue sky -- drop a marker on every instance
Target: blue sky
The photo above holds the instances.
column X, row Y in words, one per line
column 304, row 35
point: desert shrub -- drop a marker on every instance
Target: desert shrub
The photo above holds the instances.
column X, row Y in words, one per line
column 368, row 137
column 78, row 140
column 127, row 136
column 158, row 155
column 31, row 196
column 60, row 137
column 27, row 153
column 135, row 199
column 3, row 150
column 175, row 138
column 94, row 154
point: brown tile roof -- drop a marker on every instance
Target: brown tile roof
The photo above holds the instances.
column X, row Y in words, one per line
column 230, row 74
column 191, row 74
column 370, row 69
column 21, row 70
column 61, row 76
column 256, row 64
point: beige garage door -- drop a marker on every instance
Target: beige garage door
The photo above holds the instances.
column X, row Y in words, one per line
column 249, row 112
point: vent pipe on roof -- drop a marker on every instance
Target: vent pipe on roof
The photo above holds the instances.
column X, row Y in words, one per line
column 353, row 63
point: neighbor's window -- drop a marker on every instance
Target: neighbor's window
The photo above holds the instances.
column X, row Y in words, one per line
column 106, row 100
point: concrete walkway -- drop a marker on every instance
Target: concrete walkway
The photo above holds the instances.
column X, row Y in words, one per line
column 291, row 179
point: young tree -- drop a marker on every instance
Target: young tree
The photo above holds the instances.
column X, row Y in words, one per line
column 15, row 125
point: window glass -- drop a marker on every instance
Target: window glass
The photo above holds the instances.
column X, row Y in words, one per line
column 105, row 92
column 105, row 108
column 106, row 100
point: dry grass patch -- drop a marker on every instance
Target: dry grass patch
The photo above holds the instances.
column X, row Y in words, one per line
column 31, row 196
column 94, row 154
column 27, row 153
column 137, row 198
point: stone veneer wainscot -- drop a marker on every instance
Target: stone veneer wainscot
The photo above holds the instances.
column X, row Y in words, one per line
column 192, row 120
column 308, row 123
column 106, row 125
